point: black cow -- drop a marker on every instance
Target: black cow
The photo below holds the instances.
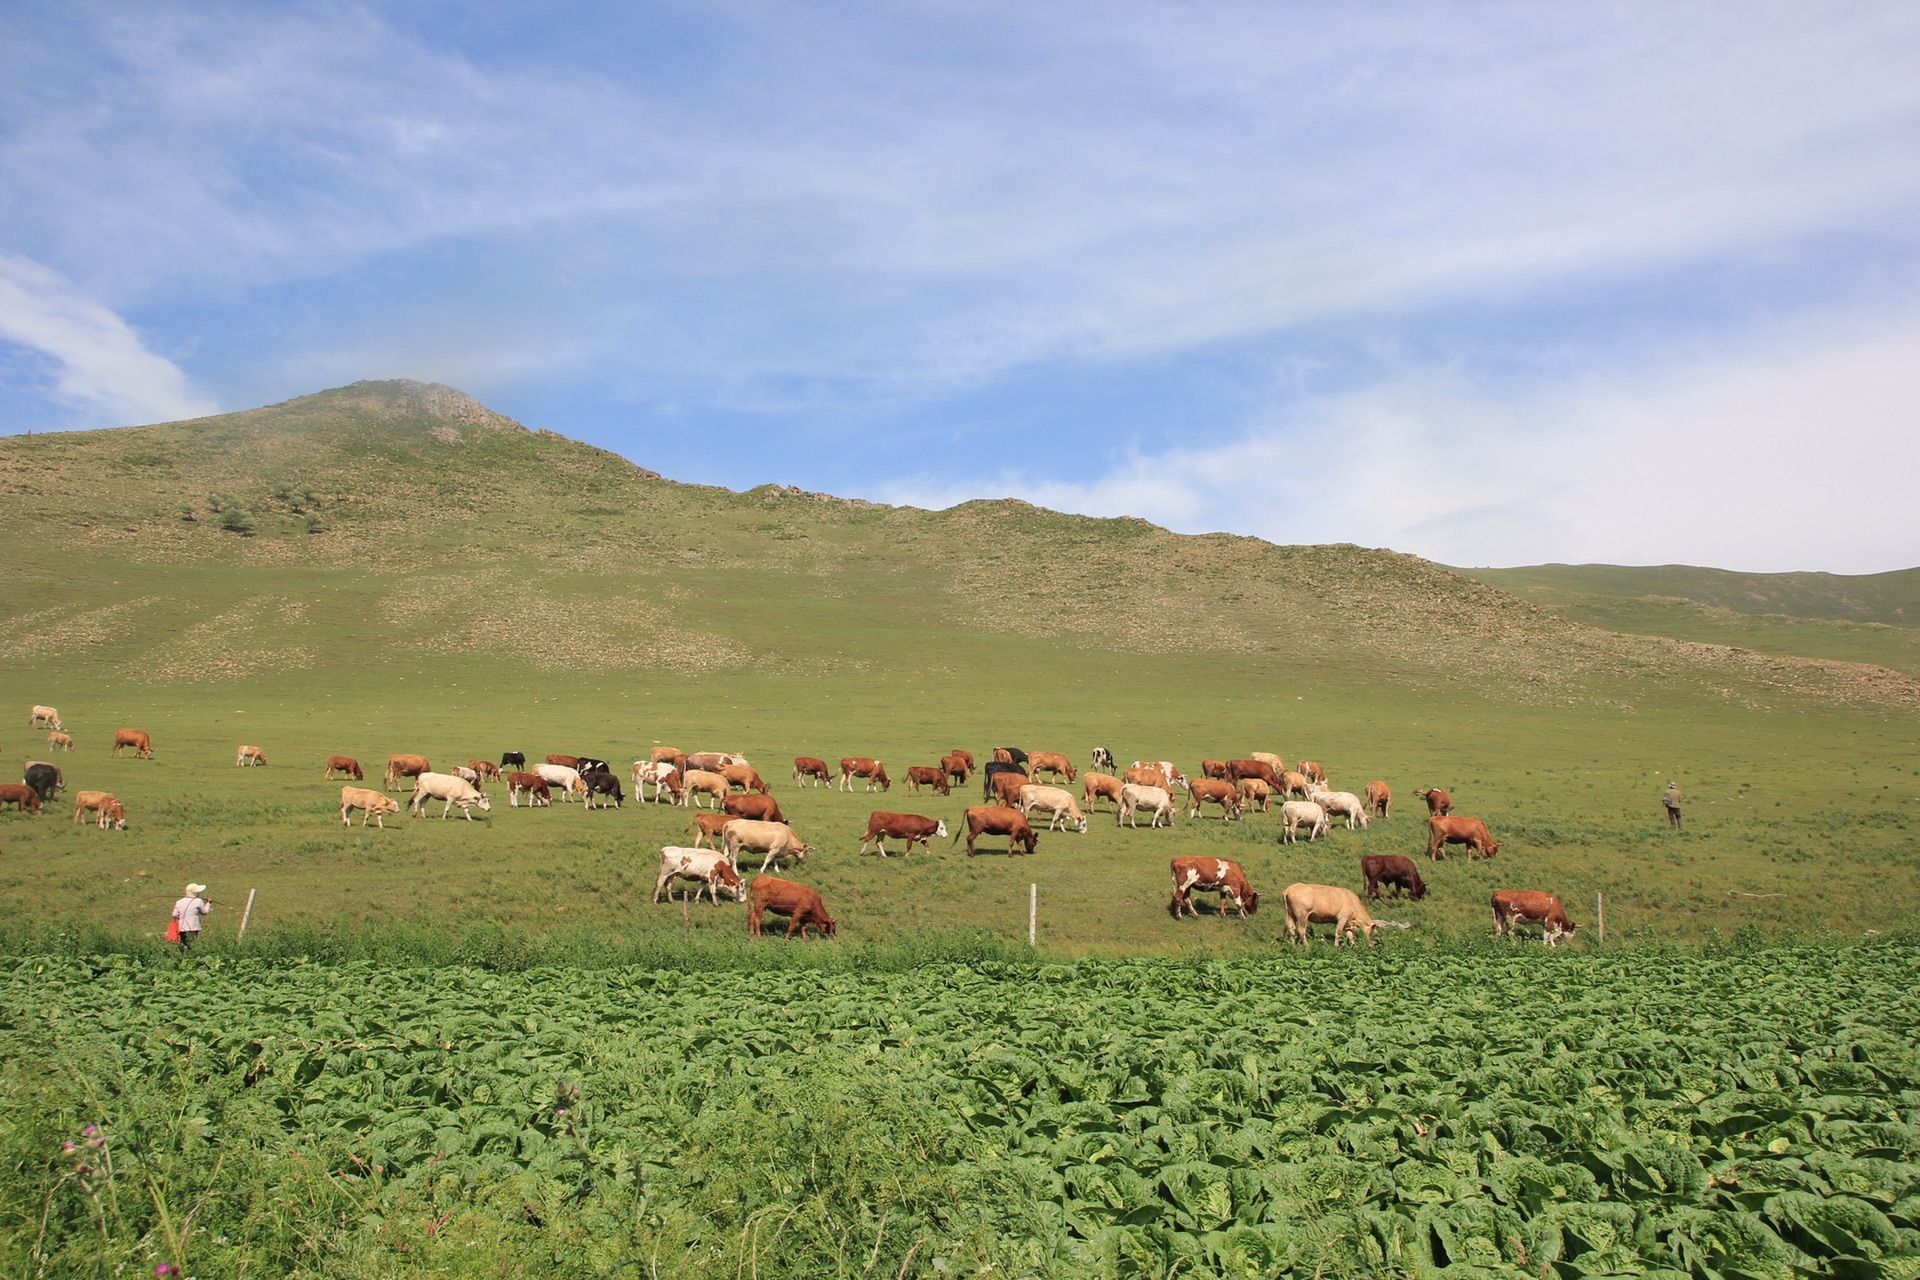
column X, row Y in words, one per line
column 513, row 760
column 1103, row 759
column 45, row 779
column 1019, row 756
column 593, row 764
column 993, row 770
column 602, row 782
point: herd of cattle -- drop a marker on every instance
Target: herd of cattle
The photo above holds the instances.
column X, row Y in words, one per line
column 738, row 815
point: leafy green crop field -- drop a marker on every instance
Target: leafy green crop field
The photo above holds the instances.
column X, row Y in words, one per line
column 1492, row 1111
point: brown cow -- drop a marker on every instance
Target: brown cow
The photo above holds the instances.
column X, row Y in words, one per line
column 532, row 784
column 25, row 798
column 138, row 739
column 1050, row 762
column 59, row 741
column 958, row 767
column 248, row 756
column 759, row 808
column 965, row 756
column 344, row 765
column 927, row 775
column 565, row 762
column 1471, row 832
column 1004, row 788
column 805, row 767
column 1513, row 907
column 103, row 803
column 1096, row 785
column 1214, row 769
column 1003, row 755
column 867, row 767
column 710, row 825
column 1439, row 803
column 1294, row 784
column 1218, row 874
column 1311, row 904
column 1390, row 868
column 910, row 827
column 1313, row 770
column 1255, row 792
column 1379, row 798
column 1250, row 768
column 1215, row 791
column 405, row 766
column 669, row 755
column 485, row 768
column 714, row 761
column 745, row 777
column 799, row 903
column 1147, row 775
column 998, row 820
column 374, row 804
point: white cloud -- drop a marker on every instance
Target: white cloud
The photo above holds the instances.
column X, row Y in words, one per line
column 100, row 363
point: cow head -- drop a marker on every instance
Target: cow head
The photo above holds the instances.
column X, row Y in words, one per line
column 940, row 831
column 1082, row 828
column 730, row 882
column 485, row 805
column 1250, row 901
column 1419, row 890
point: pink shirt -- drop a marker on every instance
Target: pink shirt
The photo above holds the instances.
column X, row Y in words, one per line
column 188, row 912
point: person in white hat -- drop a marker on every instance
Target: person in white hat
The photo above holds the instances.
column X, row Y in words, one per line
column 188, row 911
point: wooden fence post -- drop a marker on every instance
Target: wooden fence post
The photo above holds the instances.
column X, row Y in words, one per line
column 1033, row 915
column 1600, row 913
column 245, row 916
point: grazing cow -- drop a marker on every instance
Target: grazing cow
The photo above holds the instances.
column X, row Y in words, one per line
column 713, row 761
column 1134, row 797
column 1391, row 868
column 872, row 770
column 593, row 764
column 531, row 784
column 1251, row 768
column 662, row 775
column 468, row 775
column 1379, row 799
column 1057, row 802
column 1094, row 786
column 566, row 779
column 1294, row 784
column 772, row 840
column 1439, row 803
column 957, row 767
column 1103, row 759
column 399, row 767
column 1004, row 788
column 1268, row 757
column 1471, row 832
column 485, row 769
column 565, row 762
column 805, row 767
column 1295, row 813
column 999, row 769
column 759, row 808
column 1216, row 874
column 107, row 808
column 1051, row 762
column 713, row 871
column 44, row 778
column 138, row 739
column 998, row 820
column 1514, row 907
column 602, row 783
column 1313, row 770
column 670, row 755
column 927, row 775
column 1345, row 803
column 44, row 718
column 910, row 827
column 249, row 756
column 1147, row 775
column 455, row 791
column 1213, row 768
column 745, row 777
column 513, row 760
column 1174, row 778
column 966, row 757
column 25, row 798
column 1255, row 792
column 60, row 742
column 1214, row 791
column 709, row 826
column 1011, row 755
column 376, row 805
column 346, row 766
column 800, row 904
column 1311, row 904
column 702, row 782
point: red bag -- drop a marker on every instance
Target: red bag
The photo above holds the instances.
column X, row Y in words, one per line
column 173, row 931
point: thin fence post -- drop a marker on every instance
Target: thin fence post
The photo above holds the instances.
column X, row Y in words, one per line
column 245, row 916
column 1033, row 915
column 1600, row 913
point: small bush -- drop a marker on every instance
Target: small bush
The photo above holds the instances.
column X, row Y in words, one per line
column 185, row 511
column 315, row 524
column 236, row 520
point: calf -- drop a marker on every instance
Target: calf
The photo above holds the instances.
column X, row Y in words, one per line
column 997, row 820
column 930, row 776
column 1215, row 791
column 1311, row 904
column 25, row 798
column 59, row 742
column 1174, row 778
column 709, row 826
column 44, row 778
column 1058, row 803
column 1390, row 868
column 1471, row 832
column 1297, row 813
column 1514, row 907
column 376, row 805
column 910, row 827
column 1215, row 874
column 249, row 756
column 1313, row 770
column 713, row 870
column 1255, row 792
column 532, row 785
column 346, row 766
column 604, row 784
column 485, row 769
column 1344, row 803
column 772, row 840
column 455, row 791
column 1379, row 799
column 805, row 767
column 1094, row 786
column 138, row 739
column 759, row 808
column 701, row 782
column 1133, row 797
column 1294, row 784
column 1439, row 803
column 800, row 904
column 872, row 770
column 108, row 810
column 1103, row 759
column 1052, row 763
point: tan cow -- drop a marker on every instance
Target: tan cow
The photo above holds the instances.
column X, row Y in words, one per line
column 44, row 718
column 1094, row 786
column 1147, row 775
column 1311, row 904
column 774, row 840
column 485, row 769
column 60, row 742
column 1379, row 798
column 248, row 757
column 1269, row 758
column 374, row 804
column 1214, row 791
column 1294, row 784
column 405, row 766
column 105, row 807
column 1055, row 801
column 566, row 779
column 1133, row 797
column 138, row 739
column 745, row 777
column 702, row 782
column 1313, row 770
column 1052, row 762
column 1253, row 791
column 709, row 826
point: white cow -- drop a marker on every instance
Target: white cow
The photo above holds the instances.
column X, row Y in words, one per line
column 561, row 776
column 771, row 839
column 45, row 718
column 1134, row 797
column 1278, row 765
column 713, row 869
column 455, row 791
column 1341, row 802
column 1296, row 813
column 1166, row 769
column 470, row 776
column 1054, row 800
column 655, row 771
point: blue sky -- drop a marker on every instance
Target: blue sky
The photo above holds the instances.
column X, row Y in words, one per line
column 1493, row 284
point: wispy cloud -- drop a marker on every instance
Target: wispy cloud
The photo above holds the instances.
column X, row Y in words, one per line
column 99, row 364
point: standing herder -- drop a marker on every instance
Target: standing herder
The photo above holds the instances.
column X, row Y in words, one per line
column 1671, row 799
column 189, row 911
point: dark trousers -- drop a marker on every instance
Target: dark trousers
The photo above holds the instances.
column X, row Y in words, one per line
column 187, row 937
column 1673, row 816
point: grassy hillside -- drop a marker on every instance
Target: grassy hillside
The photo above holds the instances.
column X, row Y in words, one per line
column 423, row 575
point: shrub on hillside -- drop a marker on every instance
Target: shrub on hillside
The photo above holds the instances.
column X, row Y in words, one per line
column 236, row 520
